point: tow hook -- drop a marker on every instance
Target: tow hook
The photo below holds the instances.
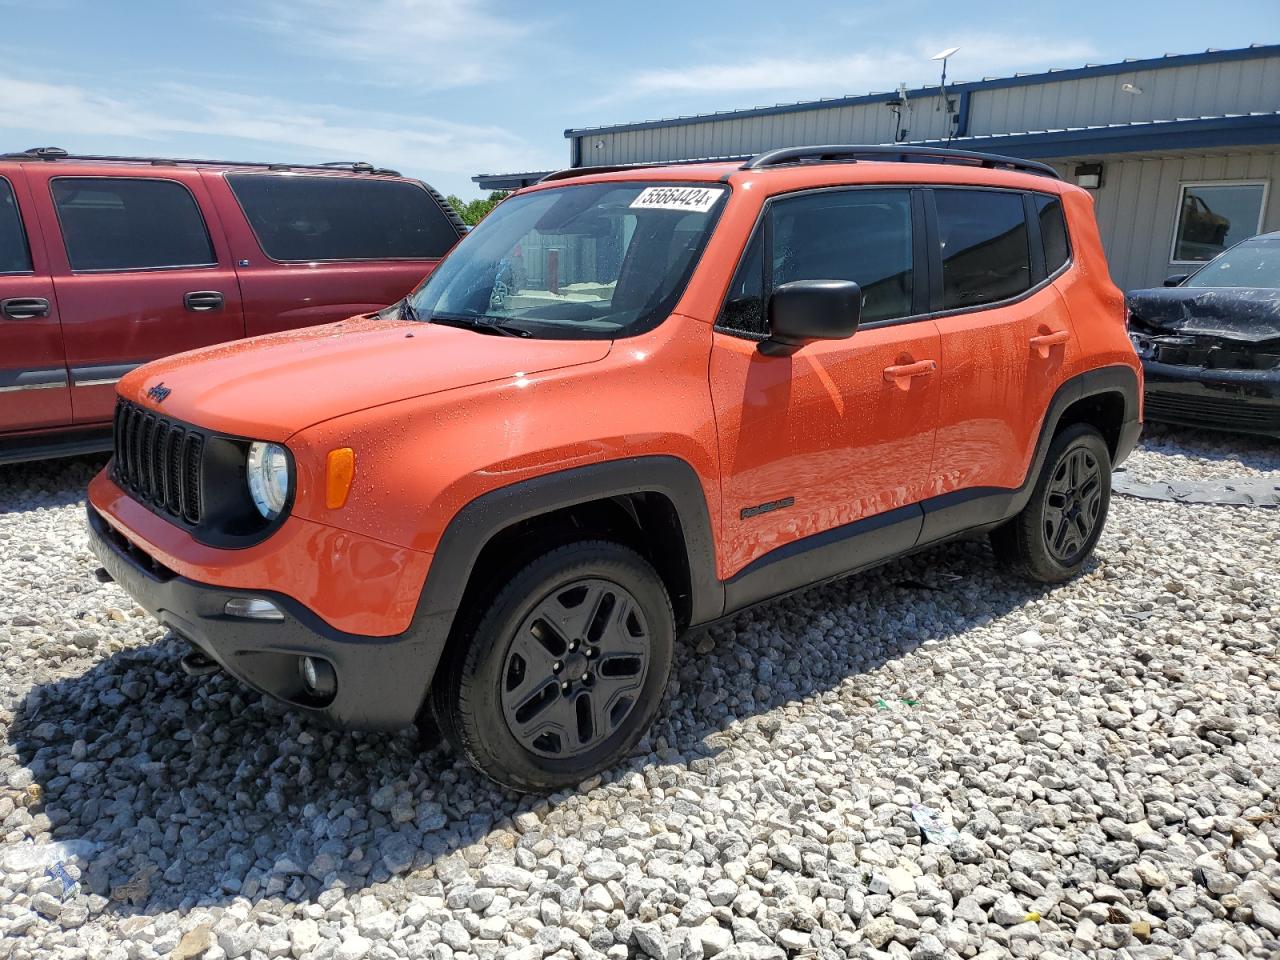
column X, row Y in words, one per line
column 196, row 664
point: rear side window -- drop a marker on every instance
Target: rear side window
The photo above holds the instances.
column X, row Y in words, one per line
column 301, row 218
column 15, row 257
column 858, row 235
column 985, row 254
column 113, row 223
column 1053, row 232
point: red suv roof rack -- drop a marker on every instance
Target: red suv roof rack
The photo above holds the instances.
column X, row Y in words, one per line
column 57, row 153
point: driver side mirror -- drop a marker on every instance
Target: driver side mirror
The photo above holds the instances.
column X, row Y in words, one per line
column 1176, row 279
column 803, row 311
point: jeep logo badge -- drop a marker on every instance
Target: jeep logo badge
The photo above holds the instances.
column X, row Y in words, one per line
column 159, row 392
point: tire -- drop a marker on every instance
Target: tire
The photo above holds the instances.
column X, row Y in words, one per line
column 1057, row 530
column 555, row 682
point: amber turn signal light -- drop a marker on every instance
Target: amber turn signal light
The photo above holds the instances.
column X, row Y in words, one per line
column 339, row 471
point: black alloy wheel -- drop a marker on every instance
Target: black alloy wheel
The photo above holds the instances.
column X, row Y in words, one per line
column 575, row 667
column 1073, row 505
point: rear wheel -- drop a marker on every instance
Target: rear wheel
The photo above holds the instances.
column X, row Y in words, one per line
column 564, row 671
column 1053, row 536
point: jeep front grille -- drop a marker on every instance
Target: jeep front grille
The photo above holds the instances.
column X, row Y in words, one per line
column 158, row 461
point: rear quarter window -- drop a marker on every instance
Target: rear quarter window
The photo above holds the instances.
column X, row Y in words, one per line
column 305, row 218
column 1053, row 232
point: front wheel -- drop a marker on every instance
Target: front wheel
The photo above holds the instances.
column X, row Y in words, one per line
column 1056, row 532
column 564, row 671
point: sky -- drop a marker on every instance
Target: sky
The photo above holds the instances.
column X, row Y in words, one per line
column 444, row 89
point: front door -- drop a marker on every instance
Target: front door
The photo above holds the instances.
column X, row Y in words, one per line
column 832, row 441
column 33, row 369
column 141, row 271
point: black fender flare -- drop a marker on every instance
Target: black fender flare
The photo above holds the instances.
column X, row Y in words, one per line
column 489, row 514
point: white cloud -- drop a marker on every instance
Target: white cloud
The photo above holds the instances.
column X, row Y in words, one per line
column 175, row 117
column 810, row 74
column 424, row 44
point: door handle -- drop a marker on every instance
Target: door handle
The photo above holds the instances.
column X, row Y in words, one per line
column 201, row 300
column 921, row 368
column 1044, row 341
column 24, row 308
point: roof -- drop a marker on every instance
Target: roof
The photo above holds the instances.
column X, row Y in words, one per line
column 1183, row 133
column 1254, row 52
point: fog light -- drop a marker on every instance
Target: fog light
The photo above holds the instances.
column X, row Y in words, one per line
column 252, row 608
column 317, row 676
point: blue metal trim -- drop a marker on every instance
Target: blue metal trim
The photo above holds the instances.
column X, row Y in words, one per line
column 1252, row 130
column 507, row 181
column 962, row 116
column 1101, row 70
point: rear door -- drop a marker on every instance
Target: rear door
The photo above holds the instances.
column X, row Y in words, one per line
column 141, row 270
column 314, row 247
column 33, row 371
column 1005, row 333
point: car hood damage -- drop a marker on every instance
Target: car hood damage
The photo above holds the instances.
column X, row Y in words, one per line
column 1239, row 314
column 270, row 387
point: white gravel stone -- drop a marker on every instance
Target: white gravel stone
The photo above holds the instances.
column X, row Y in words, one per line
column 1108, row 749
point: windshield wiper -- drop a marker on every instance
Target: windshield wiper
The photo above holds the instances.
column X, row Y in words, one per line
column 407, row 310
column 480, row 324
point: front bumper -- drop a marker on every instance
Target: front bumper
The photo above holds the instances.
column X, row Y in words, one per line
column 381, row 681
column 1239, row 401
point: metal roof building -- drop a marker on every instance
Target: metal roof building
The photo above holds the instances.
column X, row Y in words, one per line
column 1181, row 151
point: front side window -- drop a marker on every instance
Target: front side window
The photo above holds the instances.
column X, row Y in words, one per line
column 1214, row 216
column 300, row 218
column 1254, row 263
column 586, row 261
column 15, row 257
column 744, row 305
column 985, row 253
column 113, row 223
column 858, row 235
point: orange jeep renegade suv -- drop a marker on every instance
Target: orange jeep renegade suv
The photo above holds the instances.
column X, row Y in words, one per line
column 631, row 401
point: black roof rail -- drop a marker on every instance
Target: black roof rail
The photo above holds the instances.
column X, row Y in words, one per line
column 852, row 153
column 57, row 153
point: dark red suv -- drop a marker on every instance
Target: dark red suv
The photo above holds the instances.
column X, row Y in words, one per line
column 108, row 262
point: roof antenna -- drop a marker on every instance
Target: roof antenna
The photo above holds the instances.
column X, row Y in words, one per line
column 947, row 103
column 901, row 113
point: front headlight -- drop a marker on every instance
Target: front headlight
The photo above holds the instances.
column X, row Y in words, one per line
column 268, row 474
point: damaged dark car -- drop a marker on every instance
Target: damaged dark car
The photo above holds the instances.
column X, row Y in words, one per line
column 1210, row 342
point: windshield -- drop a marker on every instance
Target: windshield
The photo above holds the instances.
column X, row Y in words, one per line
column 590, row 261
column 1254, row 263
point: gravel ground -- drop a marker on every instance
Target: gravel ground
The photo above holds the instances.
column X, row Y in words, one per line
column 1108, row 751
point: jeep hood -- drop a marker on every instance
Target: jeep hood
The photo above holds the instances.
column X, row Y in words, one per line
column 1242, row 314
column 271, row 387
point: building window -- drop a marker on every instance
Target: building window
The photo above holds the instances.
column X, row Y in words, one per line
column 1214, row 216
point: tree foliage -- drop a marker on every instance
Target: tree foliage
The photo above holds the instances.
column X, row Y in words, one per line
column 473, row 211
